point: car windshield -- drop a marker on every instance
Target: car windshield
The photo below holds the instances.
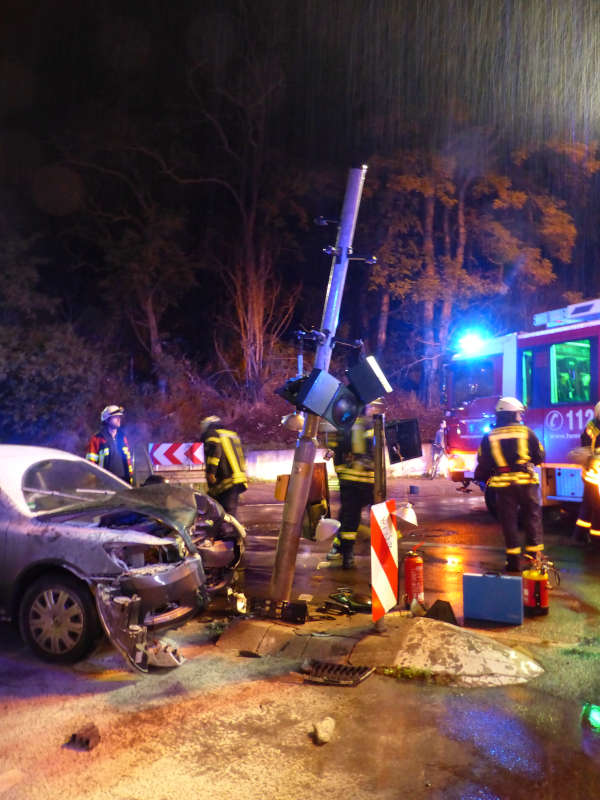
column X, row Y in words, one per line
column 55, row 484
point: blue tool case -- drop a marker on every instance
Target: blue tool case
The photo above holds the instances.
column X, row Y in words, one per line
column 493, row 597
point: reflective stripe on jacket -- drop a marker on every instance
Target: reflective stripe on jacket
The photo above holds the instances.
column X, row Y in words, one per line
column 353, row 452
column 506, row 454
column 99, row 452
column 224, row 461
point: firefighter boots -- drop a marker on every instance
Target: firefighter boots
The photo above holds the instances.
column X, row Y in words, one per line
column 347, row 548
column 335, row 554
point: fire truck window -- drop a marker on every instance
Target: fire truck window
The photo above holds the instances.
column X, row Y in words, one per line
column 570, row 372
column 527, row 376
column 472, row 379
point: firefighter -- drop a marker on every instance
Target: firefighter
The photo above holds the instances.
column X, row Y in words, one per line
column 109, row 447
column 588, row 521
column 505, row 460
column 353, row 459
column 225, row 463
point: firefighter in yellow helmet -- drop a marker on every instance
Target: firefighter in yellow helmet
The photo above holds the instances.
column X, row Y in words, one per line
column 588, row 521
column 109, row 447
column 505, row 460
column 225, row 463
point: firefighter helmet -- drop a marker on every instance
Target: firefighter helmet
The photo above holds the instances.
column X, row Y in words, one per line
column 208, row 422
column 111, row 411
column 510, row 404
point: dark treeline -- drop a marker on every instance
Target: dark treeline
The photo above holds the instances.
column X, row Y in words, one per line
column 161, row 165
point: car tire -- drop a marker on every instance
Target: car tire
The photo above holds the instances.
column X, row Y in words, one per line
column 58, row 619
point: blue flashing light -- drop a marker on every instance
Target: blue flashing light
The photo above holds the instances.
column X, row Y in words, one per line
column 471, row 343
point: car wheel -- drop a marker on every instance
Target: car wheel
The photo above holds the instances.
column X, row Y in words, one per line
column 57, row 618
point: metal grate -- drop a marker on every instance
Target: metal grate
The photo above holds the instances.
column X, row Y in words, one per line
column 337, row 674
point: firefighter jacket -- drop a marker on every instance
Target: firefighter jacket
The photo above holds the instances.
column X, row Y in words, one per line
column 353, row 455
column 590, row 437
column 225, row 462
column 112, row 454
column 506, row 456
column 590, row 434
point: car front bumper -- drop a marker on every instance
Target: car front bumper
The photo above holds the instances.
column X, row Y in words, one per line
column 149, row 599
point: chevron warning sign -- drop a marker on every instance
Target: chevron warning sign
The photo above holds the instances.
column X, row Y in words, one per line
column 176, row 454
column 384, row 558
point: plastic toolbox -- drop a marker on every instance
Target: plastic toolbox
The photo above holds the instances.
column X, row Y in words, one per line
column 493, row 597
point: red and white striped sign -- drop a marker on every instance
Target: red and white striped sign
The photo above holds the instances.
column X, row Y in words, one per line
column 384, row 558
column 176, row 454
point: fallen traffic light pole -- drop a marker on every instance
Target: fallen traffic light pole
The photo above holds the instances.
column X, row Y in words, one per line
column 306, row 447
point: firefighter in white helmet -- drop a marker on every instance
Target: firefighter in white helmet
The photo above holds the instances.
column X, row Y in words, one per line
column 109, row 447
column 505, row 460
column 588, row 521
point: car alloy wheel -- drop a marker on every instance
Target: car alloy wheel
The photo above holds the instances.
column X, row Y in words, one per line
column 57, row 618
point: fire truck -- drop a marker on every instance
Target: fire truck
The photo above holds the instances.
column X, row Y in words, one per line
column 553, row 370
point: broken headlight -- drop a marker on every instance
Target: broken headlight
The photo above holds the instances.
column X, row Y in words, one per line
column 135, row 555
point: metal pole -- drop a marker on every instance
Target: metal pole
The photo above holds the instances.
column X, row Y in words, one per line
column 339, row 266
column 304, row 456
column 380, row 488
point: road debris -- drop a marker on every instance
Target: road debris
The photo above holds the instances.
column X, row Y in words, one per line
column 164, row 653
column 323, row 730
column 85, row 738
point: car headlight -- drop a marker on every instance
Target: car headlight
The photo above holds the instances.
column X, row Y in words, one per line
column 128, row 555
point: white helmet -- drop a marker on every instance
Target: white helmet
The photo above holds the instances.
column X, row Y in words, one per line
column 208, row 422
column 510, row 404
column 597, row 410
column 111, row 411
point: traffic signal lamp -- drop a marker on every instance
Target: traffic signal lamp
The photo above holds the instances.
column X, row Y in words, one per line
column 324, row 395
column 291, row 389
column 367, row 380
column 334, row 401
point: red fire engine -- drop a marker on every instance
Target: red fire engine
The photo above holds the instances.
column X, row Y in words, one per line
column 554, row 371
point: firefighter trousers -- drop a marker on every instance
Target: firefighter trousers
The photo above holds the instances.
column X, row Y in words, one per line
column 354, row 496
column 229, row 499
column 588, row 521
column 516, row 503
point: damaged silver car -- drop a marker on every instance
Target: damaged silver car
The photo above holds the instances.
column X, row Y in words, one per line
column 82, row 552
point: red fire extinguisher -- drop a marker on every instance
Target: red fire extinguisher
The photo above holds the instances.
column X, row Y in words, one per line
column 413, row 578
column 535, row 591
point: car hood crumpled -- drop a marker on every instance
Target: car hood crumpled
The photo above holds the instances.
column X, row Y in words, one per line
column 174, row 506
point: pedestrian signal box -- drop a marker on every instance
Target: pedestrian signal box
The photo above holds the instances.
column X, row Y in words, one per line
column 403, row 440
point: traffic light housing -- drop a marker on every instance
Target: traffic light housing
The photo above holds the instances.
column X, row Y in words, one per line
column 328, row 397
column 403, row 440
column 334, row 401
column 291, row 389
column 367, row 380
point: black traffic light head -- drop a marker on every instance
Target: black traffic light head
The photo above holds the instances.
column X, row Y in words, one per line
column 291, row 388
column 403, row 440
column 324, row 395
column 368, row 380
